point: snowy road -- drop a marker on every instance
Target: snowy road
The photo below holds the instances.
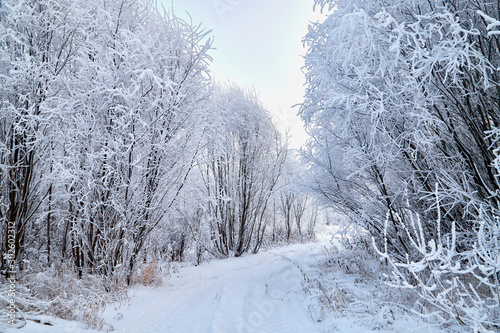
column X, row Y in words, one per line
column 256, row 293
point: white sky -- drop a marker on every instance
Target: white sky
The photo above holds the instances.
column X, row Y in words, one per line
column 259, row 43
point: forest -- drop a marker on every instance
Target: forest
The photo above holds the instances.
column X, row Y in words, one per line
column 116, row 149
column 118, row 152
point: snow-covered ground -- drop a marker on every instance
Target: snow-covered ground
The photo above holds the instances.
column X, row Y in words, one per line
column 273, row 291
column 256, row 293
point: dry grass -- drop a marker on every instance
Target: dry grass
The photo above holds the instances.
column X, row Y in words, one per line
column 152, row 274
column 59, row 292
column 353, row 282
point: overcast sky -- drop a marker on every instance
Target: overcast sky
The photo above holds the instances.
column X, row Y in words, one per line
column 259, row 43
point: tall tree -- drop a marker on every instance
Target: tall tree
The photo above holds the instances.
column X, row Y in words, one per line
column 98, row 126
column 408, row 95
column 34, row 52
column 240, row 167
column 402, row 96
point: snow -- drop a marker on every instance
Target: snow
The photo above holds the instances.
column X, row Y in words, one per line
column 272, row 291
column 256, row 293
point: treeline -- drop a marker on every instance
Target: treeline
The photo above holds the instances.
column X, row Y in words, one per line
column 403, row 109
column 117, row 149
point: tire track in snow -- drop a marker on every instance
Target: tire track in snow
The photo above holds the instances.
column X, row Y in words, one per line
column 253, row 294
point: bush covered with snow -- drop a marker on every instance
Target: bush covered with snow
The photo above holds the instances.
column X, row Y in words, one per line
column 402, row 106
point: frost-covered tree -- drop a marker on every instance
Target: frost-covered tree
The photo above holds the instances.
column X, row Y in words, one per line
column 240, row 167
column 292, row 204
column 98, row 126
column 34, row 51
column 145, row 91
column 402, row 96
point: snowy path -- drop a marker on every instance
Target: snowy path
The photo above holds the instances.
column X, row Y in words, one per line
column 256, row 293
